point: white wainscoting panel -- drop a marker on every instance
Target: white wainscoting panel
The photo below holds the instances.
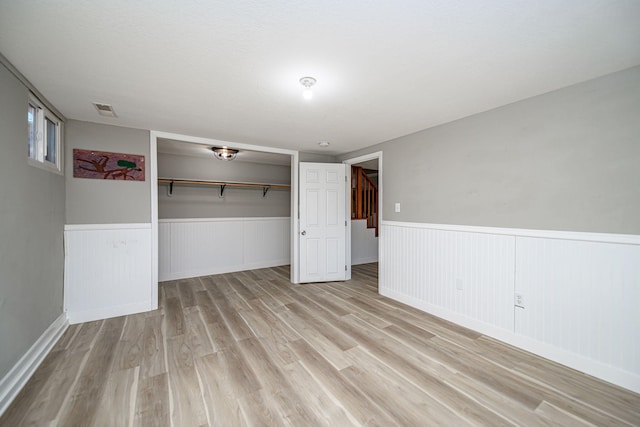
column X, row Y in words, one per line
column 466, row 274
column 582, row 297
column 199, row 247
column 107, row 271
column 580, row 291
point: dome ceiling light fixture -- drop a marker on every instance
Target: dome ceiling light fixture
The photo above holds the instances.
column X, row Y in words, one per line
column 324, row 144
column 224, row 153
column 307, row 82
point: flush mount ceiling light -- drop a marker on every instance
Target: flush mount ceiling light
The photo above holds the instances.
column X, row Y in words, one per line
column 307, row 82
column 323, row 143
column 224, row 153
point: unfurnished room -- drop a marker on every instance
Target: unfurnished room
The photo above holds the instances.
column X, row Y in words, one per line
column 305, row 213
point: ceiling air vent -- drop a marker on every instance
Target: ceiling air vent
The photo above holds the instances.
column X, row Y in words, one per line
column 105, row 109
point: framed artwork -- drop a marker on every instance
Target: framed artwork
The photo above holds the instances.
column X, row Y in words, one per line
column 104, row 165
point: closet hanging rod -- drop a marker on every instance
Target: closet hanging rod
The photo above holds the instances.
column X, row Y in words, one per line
column 221, row 184
column 229, row 183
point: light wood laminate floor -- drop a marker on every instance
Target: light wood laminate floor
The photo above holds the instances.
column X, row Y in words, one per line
column 250, row 348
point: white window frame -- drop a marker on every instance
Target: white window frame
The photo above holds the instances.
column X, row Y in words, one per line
column 38, row 159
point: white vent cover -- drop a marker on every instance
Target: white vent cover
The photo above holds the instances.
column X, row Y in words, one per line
column 105, row 109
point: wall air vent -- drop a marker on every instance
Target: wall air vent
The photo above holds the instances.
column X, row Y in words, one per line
column 105, row 109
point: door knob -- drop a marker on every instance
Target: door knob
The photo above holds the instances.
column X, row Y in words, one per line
column 304, row 233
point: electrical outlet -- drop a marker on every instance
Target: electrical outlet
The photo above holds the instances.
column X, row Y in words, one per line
column 519, row 300
column 397, row 207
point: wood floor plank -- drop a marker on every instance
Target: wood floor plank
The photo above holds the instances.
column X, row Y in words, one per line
column 557, row 417
column 197, row 334
column 245, row 292
column 240, row 378
column 186, row 292
column 207, row 307
column 306, row 328
column 609, row 398
column 93, row 377
column 118, row 403
column 350, row 309
column 232, row 318
column 42, row 397
column 174, row 317
column 283, row 272
column 272, row 301
column 221, row 336
column 57, row 389
column 153, row 360
column 327, row 411
column 511, row 408
column 501, row 380
column 187, row 406
column 221, row 285
column 170, row 289
column 270, row 325
column 256, row 412
column 391, row 316
column 251, row 349
column 402, row 411
column 152, row 402
column 282, row 399
column 130, row 348
column 278, row 288
column 354, row 401
column 323, row 325
column 275, row 333
column 86, row 336
column 219, row 394
column 68, row 336
column 385, row 348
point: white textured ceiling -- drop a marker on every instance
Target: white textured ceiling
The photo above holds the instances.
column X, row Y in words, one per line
column 229, row 69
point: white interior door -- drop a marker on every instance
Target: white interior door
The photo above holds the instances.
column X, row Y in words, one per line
column 323, row 222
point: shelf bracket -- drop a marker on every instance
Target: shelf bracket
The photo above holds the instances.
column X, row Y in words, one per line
column 265, row 190
column 171, row 188
column 222, row 187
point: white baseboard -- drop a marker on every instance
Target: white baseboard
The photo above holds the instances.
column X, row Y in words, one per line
column 457, row 318
column 628, row 380
column 107, row 312
column 364, row 260
column 18, row 376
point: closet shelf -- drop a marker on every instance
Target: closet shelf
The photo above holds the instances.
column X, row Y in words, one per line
column 222, row 184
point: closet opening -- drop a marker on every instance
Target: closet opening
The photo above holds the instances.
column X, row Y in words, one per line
column 215, row 216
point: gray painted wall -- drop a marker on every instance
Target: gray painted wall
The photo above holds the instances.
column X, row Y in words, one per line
column 96, row 201
column 316, row 158
column 31, row 232
column 565, row 160
column 204, row 202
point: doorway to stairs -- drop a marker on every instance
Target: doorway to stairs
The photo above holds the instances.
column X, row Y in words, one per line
column 365, row 208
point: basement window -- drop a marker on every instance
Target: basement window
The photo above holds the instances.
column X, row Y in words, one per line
column 45, row 137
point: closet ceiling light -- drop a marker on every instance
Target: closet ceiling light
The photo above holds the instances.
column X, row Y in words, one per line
column 224, row 153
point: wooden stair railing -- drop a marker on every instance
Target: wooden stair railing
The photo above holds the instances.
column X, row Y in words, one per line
column 364, row 198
